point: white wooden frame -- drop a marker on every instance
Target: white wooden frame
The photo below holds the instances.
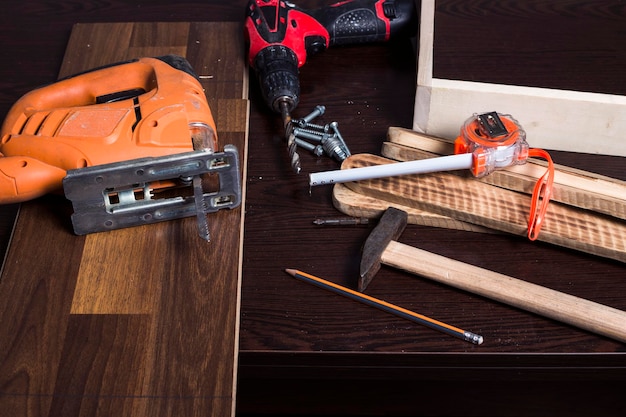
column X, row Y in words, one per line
column 553, row 119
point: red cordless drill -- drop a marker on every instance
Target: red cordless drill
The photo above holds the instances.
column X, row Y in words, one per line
column 282, row 35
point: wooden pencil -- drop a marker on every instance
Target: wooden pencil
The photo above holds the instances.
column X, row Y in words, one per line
column 388, row 307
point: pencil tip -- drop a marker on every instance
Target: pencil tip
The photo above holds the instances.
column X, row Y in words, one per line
column 290, row 271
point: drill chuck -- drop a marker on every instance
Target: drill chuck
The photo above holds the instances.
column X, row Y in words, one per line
column 277, row 70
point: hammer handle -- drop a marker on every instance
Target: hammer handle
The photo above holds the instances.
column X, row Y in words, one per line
column 579, row 312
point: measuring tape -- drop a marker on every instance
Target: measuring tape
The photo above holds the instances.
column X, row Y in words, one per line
column 498, row 141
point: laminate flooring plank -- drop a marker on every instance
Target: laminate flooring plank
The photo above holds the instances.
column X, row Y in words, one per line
column 193, row 321
column 8, row 215
column 138, row 321
column 115, row 277
column 160, row 34
column 95, row 44
column 219, row 60
column 158, row 38
column 100, row 366
column 220, row 64
column 36, row 290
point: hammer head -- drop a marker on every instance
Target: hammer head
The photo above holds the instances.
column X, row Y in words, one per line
column 390, row 227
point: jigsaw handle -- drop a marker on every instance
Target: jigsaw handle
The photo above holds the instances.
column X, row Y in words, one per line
column 104, row 85
column 23, row 178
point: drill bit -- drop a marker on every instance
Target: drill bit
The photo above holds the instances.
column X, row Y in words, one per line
column 292, row 147
column 341, row 221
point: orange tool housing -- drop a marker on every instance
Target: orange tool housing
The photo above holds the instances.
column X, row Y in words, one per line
column 496, row 141
column 148, row 107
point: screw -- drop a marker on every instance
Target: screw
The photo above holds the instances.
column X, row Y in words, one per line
column 304, row 125
column 317, row 150
column 309, row 134
column 335, row 127
column 332, row 146
column 317, row 111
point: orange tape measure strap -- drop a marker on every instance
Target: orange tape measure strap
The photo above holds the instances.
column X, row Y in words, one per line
column 541, row 194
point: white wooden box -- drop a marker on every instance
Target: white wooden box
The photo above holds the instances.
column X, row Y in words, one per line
column 553, row 119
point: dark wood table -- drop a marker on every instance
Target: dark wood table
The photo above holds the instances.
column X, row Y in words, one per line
column 305, row 351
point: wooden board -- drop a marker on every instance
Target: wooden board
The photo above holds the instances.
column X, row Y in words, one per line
column 574, row 187
column 361, row 205
column 553, row 119
column 140, row 321
column 472, row 201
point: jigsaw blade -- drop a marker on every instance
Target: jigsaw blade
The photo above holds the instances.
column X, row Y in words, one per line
column 201, row 208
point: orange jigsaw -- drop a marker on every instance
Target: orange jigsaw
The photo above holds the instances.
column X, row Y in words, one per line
column 111, row 137
column 146, row 107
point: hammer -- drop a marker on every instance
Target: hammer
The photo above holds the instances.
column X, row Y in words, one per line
column 381, row 247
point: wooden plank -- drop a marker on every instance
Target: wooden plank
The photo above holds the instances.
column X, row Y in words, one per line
column 475, row 202
column 360, row 205
column 98, row 346
column 553, row 119
column 573, row 187
column 8, row 214
column 84, row 49
column 131, row 285
column 561, row 306
column 37, row 296
column 138, row 321
column 220, row 66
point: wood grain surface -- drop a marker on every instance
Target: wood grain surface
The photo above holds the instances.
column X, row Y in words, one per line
column 472, row 201
column 303, row 351
column 138, row 321
column 356, row 204
column 574, row 187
